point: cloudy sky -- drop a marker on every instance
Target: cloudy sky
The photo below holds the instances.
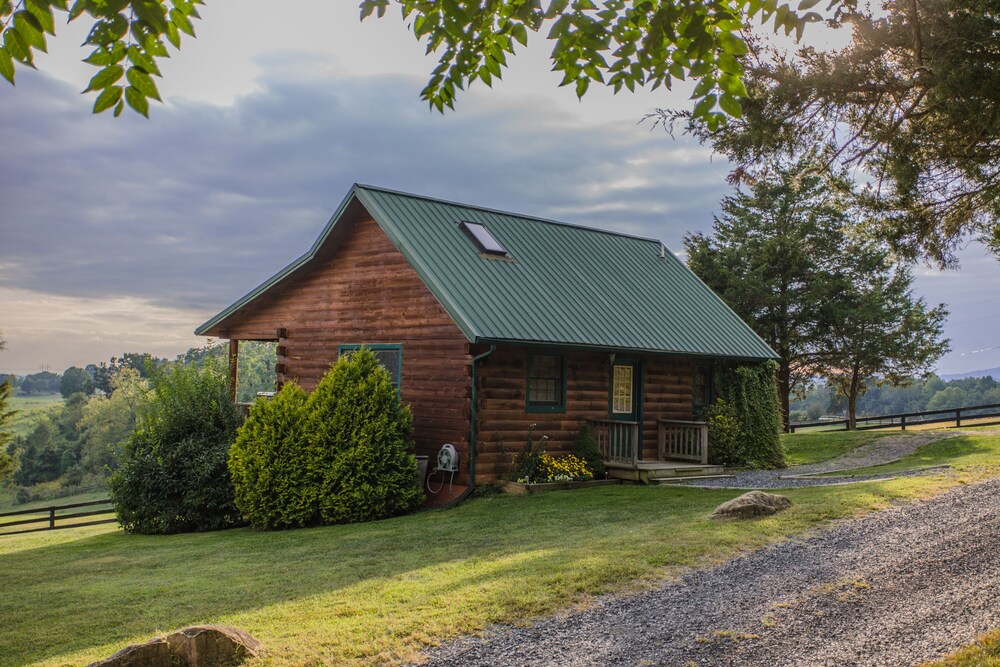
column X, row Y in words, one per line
column 121, row 235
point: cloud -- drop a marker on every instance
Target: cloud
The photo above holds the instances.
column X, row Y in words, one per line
column 194, row 207
column 189, row 210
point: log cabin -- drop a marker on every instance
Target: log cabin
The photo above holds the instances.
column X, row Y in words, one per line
column 494, row 324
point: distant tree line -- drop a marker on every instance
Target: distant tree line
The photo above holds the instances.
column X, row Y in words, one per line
column 80, row 441
column 820, row 400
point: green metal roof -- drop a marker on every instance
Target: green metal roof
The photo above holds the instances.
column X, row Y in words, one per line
column 563, row 284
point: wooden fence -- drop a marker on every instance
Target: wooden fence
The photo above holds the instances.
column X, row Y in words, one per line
column 682, row 440
column 902, row 420
column 55, row 517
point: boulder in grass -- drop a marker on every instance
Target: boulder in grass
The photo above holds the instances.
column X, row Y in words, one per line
column 196, row 646
column 750, row 505
column 154, row 652
column 213, row 646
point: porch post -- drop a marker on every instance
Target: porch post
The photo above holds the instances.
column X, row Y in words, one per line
column 234, row 366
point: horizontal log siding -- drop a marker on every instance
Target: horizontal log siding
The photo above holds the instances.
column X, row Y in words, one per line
column 368, row 293
column 503, row 421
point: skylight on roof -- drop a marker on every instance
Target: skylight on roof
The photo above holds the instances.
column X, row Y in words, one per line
column 483, row 239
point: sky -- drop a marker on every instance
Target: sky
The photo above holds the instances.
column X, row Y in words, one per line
column 123, row 235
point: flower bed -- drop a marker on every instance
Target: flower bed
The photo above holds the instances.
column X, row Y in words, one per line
column 522, row 488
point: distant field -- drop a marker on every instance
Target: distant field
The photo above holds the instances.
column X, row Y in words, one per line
column 29, row 409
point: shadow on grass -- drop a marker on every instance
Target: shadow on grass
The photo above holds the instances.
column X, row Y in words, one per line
column 371, row 592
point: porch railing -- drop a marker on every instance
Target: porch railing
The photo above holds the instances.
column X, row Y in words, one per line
column 682, row 440
column 617, row 441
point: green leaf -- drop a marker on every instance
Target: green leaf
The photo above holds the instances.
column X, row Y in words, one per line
column 173, row 36
column 520, row 33
column 140, row 59
column 807, row 4
column 107, row 99
column 43, row 14
column 119, row 107
column 704, row 87
column 102, row 57
column 732, row 85
column 731, row 106
column 143, row 83
column 137, row 101
column 79, row 7
column 732, row 44
column 16, row 46
column 30, row 29
column 703, row 108
column 105, row 78
column 6, row 65
column 581, row 86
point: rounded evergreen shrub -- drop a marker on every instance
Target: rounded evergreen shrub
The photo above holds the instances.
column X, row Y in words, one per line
column 172, row 476
column 275, row 479
column 359, row 437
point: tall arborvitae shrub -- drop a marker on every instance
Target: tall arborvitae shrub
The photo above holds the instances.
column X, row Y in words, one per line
column 360, row 436
column 275, row 479
column 747, row 396
column 172, row 476
column 342, row 454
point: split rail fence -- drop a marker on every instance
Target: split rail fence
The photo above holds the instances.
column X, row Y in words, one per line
column 56, row 517
column 968, row 413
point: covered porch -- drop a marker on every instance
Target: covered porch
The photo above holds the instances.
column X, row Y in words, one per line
column 681, row 451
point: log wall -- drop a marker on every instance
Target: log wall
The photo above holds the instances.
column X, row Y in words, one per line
column 503, row 422
column 368, row 293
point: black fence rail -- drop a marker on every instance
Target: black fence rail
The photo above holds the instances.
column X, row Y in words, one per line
column 902, row 420
column 56, row 517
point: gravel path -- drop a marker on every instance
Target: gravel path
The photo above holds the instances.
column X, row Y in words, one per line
column 877, row 452
column 897, row 587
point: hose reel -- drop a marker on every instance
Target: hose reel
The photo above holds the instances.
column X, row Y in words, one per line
column 447, row 463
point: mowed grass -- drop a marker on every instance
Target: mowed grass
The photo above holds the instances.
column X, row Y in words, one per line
column 814, row 447
column 380, row 592
column 966, row 452
column 984, row 653
column 28, row 410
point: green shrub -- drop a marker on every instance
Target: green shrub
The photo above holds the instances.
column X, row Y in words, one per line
column 585, row 447
column 723, row 433
column 275, row 481
column 172, row 476
column 359, row 436
column 527, row 460
column 751, row 393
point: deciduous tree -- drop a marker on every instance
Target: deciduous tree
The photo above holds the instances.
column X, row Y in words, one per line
column 618, row 44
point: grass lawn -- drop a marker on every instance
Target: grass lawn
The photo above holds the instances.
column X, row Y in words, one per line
column 813, row 447
column 379, row 592
column 984, row 653
column 965, row 452
column 29, row 409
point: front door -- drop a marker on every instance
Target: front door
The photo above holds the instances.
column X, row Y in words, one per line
column 625, row 405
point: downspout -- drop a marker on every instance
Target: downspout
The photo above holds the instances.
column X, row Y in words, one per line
column 472, row 426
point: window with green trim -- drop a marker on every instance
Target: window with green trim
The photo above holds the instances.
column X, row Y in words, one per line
column 546, row 383
column 390, row 356
column 703, row 389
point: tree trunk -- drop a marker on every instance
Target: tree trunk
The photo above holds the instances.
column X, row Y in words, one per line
column 852, row 399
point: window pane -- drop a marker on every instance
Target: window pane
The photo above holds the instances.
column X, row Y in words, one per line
column 545, row 380
column 482, row 236
column 622, row 391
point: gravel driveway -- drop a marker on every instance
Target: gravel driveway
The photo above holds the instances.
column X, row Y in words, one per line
column 897, row 587
column 882, row 450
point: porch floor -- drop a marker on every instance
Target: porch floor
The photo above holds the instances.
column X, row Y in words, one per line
column 650, row 471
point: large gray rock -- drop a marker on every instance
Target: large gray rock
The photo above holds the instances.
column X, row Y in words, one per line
column 196, row 646
column 751, row 504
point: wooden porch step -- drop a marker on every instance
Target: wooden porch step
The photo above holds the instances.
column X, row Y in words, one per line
column 667, row 481
column 650, row 471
